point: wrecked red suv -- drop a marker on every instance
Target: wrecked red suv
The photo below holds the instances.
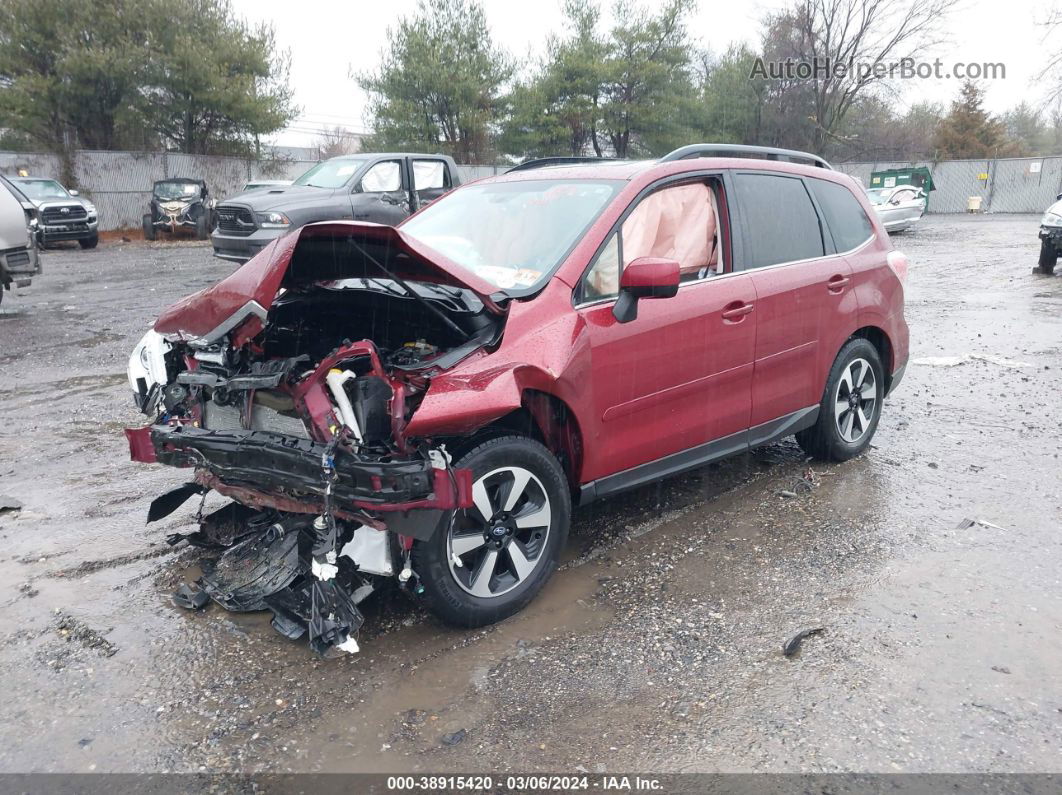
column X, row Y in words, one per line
column 428, row 402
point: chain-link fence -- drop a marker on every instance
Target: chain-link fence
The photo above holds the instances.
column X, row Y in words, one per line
column 120, row 182
column 1006, row 185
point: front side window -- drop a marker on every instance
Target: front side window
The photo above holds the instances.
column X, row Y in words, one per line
column 844, row 214
column 512, row 234
column 778, row 220
column 678, row 223
column 385, row 177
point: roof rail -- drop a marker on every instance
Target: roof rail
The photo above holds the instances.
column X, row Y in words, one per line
column 546, row 162
column 740, row 150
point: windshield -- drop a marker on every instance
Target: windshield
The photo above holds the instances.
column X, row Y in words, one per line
column 331, row 173
column 171, row 191
column 877, row 195
column 43, row 189
column 512, row 234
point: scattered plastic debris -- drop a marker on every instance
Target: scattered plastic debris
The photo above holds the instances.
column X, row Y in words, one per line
column 1001, row 669
column 792, row 646
column 965, row 523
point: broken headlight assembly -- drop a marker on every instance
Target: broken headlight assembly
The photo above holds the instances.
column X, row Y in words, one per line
column 147, row 370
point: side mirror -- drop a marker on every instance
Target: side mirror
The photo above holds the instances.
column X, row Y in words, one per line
column 1058, row 198
column 645, row 277
column 73, row 193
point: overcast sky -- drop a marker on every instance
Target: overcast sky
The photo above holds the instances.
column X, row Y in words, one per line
column 328, row 39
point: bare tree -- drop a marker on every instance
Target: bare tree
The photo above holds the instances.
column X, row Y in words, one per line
column 1053, row 68
column 853, row 46
column 338, row 141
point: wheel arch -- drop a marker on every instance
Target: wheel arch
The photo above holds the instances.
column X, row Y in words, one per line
column 877, row 337
column 542, row 416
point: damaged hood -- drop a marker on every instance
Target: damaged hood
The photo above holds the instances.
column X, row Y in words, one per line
column 325, row 251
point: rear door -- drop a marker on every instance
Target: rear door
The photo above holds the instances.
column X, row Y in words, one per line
column 803, row 292
column 382, row 193
column 678, row 375
column 431, row 179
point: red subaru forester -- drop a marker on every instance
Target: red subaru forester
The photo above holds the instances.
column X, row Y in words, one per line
column 428, row 402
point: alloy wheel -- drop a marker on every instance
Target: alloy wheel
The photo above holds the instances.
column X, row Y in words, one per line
column 855, row 400
column 499, row 543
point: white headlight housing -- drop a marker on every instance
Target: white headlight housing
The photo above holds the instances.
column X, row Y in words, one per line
column 147, row 368
column 1051, row 219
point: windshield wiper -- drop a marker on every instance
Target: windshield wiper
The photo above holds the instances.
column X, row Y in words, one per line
column 413, row 293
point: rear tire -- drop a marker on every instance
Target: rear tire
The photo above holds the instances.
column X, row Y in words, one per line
column 89, row 242
column 508, row 557
column 1048, row 257
column 149, row 228
column 848, row 414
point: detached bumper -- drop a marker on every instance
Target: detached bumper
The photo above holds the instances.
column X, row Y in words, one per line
column 240, row 248
column 282, row 470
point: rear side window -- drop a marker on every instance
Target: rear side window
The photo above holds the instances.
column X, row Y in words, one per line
column 778, row 219
column 844, row 214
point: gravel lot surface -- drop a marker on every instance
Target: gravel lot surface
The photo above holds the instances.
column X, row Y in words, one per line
column 658, row 647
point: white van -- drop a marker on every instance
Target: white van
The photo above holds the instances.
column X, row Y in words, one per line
column 19, row 262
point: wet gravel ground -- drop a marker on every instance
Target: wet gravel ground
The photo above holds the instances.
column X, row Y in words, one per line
column 657, row 647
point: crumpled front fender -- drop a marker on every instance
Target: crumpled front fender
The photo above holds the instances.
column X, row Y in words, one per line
column 460, row 404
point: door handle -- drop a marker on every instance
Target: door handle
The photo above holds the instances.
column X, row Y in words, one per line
column 837, row 283
column 736, row 312
column 360, row 215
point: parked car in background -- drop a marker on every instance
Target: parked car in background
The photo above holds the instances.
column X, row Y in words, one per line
column 179, row 203
column 28, row 207
column 1050, row 238
column 62, row 213
column 427, row 402
column 259, row 184
column 19, row 260
column 382, row 188
column 898, row 208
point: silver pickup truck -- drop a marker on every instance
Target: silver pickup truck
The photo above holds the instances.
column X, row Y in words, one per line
column 19, row 261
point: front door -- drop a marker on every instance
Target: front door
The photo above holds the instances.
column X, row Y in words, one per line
column 679, row 374
column 382, row 194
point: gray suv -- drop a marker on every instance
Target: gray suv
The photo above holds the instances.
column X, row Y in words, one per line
column 383, row 188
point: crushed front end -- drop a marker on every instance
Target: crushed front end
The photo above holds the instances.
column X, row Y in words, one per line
column 303, row 428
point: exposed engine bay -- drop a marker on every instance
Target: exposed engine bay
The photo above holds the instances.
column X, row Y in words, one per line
column 298, row 415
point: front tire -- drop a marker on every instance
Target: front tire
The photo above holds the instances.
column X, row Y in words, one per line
column 89, row 242
column 149, row 228
column 498, row 555
column 1048, row 257
column 202, row 227
column 850, row 407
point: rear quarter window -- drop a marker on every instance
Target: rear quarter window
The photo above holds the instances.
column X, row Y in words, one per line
column 778, row 220
column 844, row 214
